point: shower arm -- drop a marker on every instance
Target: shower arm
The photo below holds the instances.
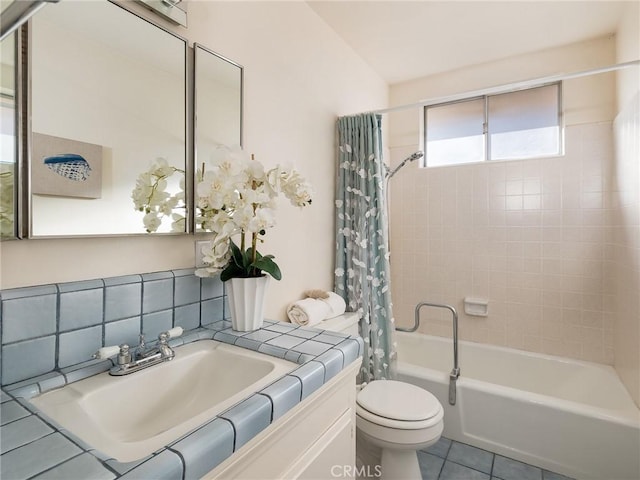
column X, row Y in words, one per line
column 411, row 158
column 387, row 178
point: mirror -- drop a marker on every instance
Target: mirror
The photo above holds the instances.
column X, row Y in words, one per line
column 218, row 104
column 108, row 98
column 8, row 143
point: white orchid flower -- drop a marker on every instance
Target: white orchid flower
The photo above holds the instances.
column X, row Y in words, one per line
column 263, row 219
column 235, row 195
column 151, row 222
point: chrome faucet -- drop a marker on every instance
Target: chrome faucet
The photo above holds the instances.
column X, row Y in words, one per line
column 142, row 357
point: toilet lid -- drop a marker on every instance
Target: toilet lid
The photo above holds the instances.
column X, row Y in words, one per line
column 398, row 401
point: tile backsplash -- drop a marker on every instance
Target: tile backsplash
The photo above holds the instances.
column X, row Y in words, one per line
column 52, row 327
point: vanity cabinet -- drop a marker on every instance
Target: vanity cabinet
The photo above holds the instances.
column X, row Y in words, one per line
column 314, row 440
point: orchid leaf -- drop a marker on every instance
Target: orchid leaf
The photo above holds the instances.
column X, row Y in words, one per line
column 231, row 271
column 267, row 264
column 236, row 255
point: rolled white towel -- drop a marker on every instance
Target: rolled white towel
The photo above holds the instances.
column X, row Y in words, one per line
column 336, row 303
column 308, row 312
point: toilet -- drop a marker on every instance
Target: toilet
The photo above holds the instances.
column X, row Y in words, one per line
column 397, row 417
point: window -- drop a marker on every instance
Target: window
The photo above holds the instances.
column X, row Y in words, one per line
column 514, row 125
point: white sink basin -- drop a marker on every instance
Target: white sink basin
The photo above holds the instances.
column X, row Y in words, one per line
column 132, row 416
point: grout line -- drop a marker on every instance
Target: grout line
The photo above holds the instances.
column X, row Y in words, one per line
column 56, row 346
column 444, row 460
column 446, row 456
column 493, row 462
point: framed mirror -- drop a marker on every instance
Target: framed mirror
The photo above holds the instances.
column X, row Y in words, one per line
column 108, row 99
column 9, row 123
column 217, row 104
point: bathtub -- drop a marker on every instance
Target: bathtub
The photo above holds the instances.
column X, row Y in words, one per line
column 567, row 416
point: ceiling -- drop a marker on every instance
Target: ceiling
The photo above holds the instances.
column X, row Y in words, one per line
column 403, row 40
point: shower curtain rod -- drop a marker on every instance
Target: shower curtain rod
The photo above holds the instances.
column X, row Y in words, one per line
column 508, row 87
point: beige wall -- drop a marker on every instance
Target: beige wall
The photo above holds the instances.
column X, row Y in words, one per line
column 623, row 264
column 580, row 104
column 298, row 77
column 529, row 236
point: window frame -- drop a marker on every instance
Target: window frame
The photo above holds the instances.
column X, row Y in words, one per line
column 485, row 126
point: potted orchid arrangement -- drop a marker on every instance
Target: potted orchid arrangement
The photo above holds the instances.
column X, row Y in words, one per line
column 236, row 198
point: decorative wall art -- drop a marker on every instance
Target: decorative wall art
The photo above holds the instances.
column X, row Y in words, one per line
column 65, row 168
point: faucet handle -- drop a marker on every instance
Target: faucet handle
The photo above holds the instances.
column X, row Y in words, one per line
column 171, row 333
column 124, row 355
column 174, row 332
column 165, row 350
column 106, row 352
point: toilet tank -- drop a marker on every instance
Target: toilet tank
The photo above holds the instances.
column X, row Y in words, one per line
column 345, row 323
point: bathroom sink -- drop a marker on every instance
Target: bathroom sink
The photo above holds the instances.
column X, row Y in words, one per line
column 132, row 416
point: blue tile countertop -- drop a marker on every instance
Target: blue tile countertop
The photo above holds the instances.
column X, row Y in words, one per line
column 34, row 446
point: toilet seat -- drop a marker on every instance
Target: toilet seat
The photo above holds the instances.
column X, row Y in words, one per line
column 398, row 405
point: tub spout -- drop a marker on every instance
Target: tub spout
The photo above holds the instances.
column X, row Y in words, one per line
column 453, row 378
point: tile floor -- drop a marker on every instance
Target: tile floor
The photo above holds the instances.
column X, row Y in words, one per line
column 451, row 460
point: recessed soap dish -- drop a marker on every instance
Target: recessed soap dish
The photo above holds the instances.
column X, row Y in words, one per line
column 477, row 307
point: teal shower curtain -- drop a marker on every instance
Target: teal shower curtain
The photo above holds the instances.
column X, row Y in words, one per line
column 362, row 259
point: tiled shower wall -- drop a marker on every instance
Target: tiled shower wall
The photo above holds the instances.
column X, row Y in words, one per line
column 529, row 236
column 623, row 265
column 54, row 327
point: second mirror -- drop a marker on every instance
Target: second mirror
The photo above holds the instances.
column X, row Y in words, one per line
column 217, row 105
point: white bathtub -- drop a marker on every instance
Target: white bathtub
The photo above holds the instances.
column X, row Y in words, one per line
column 567, row 416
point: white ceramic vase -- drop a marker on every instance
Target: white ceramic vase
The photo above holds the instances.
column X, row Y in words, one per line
column 246, row 301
